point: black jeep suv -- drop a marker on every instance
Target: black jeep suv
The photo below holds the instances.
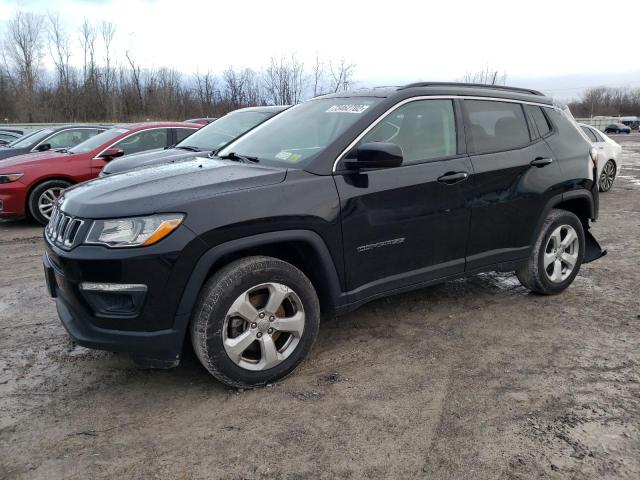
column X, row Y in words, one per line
column 337, row 201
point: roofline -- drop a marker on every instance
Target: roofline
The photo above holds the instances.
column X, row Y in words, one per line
column 474, row 85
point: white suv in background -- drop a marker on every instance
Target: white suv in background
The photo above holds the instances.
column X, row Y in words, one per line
column 609, row 153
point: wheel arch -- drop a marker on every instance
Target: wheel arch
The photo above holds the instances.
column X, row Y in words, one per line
column 578, row 202
column 39, row 182
column 304, row 249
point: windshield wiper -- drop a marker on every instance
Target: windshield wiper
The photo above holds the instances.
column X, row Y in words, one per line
column 188, row 147
column 239, row 158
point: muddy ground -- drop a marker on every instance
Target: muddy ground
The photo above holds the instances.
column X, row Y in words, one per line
column 473, row 379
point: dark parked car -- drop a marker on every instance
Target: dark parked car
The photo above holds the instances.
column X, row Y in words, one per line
column 50, row 138
column 617, row 128
column 7, row 136
column 207, row 139
column 335, row 202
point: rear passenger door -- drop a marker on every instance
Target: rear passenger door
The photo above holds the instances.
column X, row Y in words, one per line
column 408, row 224
column 514, row 178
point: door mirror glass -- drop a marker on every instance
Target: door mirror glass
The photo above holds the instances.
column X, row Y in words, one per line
column 43, row 147
column 111, row 153
column 375, row 155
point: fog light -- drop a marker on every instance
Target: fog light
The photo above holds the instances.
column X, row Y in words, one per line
column 122, row 300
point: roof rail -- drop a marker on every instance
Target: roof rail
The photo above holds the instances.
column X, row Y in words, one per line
column 473, row 85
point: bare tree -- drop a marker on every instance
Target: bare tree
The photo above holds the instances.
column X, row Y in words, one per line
column 60, row 52
column 284, row 80
column 107, row 32
column 206, row 92
column 341, row 75
column 318, row 76
column 486, row 76
column 22, row 54
column 135, row 77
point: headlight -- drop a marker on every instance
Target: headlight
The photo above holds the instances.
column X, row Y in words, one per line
column 10, row 177
column 134, row 231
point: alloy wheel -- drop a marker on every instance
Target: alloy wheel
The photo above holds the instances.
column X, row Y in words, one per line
column 263, row 326
column 561, row 253
column 607, row 176
column 47, row 200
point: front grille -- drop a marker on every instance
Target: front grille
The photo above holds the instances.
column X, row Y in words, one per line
column 64, row 230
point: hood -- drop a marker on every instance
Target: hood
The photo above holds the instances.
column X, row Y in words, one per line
column 28, row 159
column 6, row 152
column 154, row 157
column 169, row 187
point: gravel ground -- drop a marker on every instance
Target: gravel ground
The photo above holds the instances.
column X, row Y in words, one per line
column 470, row 379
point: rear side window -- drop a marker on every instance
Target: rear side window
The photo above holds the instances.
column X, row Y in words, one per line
column 590, row 134
column 539, row 119
column 496, row 126
column 424, row 129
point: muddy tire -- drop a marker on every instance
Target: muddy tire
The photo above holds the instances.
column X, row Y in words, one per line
column 556, row 256
column 42, row 198
column 255, row 321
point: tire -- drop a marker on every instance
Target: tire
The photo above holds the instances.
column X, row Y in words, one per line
column 607, row 176
column 551, row 280
column 232, row 346
column 45, row 194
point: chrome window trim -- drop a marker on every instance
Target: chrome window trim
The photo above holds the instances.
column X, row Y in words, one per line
column 428, row 97
column 97, row 157
column 33, row 150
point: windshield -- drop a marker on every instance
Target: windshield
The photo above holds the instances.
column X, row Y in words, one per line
column 297, row 135
column 32, row 138
column 224, row 130
column 98, row 140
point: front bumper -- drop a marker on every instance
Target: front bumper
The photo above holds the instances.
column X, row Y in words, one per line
column 12, row 199
column 154, row 331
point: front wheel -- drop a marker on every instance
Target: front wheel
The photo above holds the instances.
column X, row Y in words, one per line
column 255, row 321
column 607, row 177
column 43, row 197
column 556, row 256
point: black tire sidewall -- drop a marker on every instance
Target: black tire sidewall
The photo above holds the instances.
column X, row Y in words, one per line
column 565, row 218
column 35, row 195
column 216, row 359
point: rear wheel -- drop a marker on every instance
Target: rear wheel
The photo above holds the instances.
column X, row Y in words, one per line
column 43, row 197
column 255, row 321
column 556, row 256
column 607, row 177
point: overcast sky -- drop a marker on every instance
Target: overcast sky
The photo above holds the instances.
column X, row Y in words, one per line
column 559, row 46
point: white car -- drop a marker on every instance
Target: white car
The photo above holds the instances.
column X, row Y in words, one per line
column 609, row 153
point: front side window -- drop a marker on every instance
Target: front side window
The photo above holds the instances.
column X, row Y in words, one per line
column 71, row 137
column 424, row 129
column 296, row 136
column 143, row 141
column 496, row 126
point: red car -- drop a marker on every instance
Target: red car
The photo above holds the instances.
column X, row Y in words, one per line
column 31, row 183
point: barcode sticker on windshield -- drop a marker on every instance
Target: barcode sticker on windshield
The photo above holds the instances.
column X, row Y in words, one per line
column 350, row 108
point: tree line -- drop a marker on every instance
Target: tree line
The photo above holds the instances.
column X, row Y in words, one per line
column 607, row 101
column 107, row 87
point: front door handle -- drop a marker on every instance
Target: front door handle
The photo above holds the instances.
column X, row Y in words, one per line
column 541, row 162
column 453, row 177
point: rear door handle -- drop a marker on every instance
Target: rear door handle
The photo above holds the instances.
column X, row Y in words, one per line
column 453, row 177
column 541, row 162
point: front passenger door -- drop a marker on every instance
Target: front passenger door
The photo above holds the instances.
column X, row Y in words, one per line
column 407, row 225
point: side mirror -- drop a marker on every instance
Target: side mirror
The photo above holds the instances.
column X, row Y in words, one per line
column 374, row 155
column 43, row 147
column 111, row 153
